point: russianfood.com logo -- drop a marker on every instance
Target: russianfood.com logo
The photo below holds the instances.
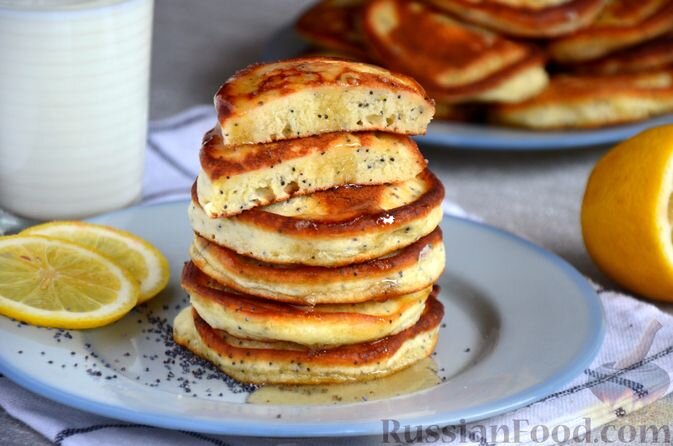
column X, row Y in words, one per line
column 521, row 431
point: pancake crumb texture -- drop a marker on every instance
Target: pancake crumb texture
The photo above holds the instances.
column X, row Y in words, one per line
column 310, row 96
column 237, row 178
column 331, row 228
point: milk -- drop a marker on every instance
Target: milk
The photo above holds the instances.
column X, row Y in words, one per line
column 74, row 81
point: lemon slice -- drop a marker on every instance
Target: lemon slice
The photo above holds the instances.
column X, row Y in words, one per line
column 53, row 283
column 627, row 213
column 145, row 262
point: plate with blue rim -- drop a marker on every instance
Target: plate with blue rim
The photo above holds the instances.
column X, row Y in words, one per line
column 520, row 323
column 287, row 43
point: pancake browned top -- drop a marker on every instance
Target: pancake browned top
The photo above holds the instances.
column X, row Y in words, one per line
column 446, row 54
column 220, row 161
column 333, row 24
column 574, row 88
column 347, row 355
column 466, row 93
column 195, row 281
column 348, row 209
column 627, row 13
column 553, row 20
column 526, row 4
column 244, row 266
column 260, row 83
column 654, row 55
column 623, row 24
column 592, row 100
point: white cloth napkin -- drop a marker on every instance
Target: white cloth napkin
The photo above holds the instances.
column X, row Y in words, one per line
column 615, row 384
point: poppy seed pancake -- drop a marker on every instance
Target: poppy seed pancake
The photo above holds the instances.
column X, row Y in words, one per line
column 320, row 325
column 410, row 269
column 287, row 363
column 308, row 96
column 235, row 178
column 336, row 227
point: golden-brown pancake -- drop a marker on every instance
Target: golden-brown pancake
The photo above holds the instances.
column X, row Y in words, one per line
column 324, row 52
column 287, row 363
column 514, row 83
column 339, row 226
column 525, row 19
column 332, row 24
column 234, row 178
column 320, row 325
column 458, row 112
column 300, row 97
column 445, row 54
column 592, row 101
column 527, row 4
column 623, row 24
column 452, row 60
column 649, row 56
column 410, row 269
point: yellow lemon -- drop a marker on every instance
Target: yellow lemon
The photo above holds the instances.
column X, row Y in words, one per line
column 145, row 262
column 627, row 213
column 54, row 283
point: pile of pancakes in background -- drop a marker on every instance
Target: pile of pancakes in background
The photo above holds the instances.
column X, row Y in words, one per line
column 316, row 219
column 540, row 64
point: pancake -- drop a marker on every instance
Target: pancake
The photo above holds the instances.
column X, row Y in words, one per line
column 335, row 227
column 527, row 18
column 307, row 96
column 528, row 4
column 239, row 177
column 321, row 325
column 286, row 363
column 515, row 83
column 446, row 54
column 592, row 101
column 332, row 24
column 650, row 56
column 458, row 112
column 452, row 60
column 410, row 269
column 623, row 24
column 326, row 52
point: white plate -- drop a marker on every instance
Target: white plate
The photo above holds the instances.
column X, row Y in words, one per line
column 519, row 324
column 286, row 43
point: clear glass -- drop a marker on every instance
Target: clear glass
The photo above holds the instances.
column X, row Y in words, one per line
column 74, row 81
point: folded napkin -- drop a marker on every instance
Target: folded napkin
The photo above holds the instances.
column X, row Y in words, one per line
column 633, row 368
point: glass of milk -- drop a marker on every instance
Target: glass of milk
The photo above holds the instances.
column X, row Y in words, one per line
column 74, row 77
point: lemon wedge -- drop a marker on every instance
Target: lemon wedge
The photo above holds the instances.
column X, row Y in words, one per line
column 145, row 262
column 627, row 213
column 53, row 283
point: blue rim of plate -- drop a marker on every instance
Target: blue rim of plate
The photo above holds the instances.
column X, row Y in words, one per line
column 330, row 428
column 287, row 43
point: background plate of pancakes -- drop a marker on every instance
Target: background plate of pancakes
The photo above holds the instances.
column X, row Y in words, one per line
column 496, row 290
column 509, row 74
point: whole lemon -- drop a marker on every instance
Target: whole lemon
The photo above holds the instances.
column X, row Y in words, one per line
column 627, row 211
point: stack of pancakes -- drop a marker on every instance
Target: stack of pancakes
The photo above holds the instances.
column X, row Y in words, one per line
column 316, row 219
column 530, row 63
